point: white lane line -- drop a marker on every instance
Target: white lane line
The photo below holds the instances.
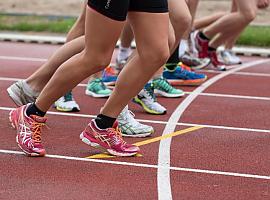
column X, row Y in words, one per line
column 201, row 171
column 233, row 96
column 156, row 122
column 202, row 94
column 113, row 64
column 237, row 73
column 163, row 175
column 22, row 58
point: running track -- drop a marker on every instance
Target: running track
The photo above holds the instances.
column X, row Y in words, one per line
column 223, row 152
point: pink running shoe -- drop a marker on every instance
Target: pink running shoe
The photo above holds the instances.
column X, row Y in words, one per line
column 110, row 139
column 28, row 131
column 202, row 46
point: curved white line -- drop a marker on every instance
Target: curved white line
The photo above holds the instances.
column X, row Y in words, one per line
column 163, row 173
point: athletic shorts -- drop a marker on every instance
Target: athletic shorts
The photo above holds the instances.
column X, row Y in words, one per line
column 118, row 9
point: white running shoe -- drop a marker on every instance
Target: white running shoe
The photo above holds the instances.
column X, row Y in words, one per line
column 228, row 57
column 146, row 98
column 66, row 103
column 131, row 127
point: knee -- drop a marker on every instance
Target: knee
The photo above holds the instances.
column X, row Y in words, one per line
column 181, row 24
column 156, row 57
column 249, row 16
column 99, row 61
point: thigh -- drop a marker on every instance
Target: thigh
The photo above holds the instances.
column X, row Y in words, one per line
column 101, row 33
column 114, row 9
column 150, row 30
column 245, row 6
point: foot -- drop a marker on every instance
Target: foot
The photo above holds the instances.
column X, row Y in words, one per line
column 109, row 139
column 147, row 99
column 28, row 131
column 183, row 75
column 67, row 103
column 163, row 88
column 96, row 88
column 131, row 127
column 109, row 76
column 21, row 93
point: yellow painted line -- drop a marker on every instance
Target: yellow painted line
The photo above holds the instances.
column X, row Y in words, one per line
column 156, row 139
column 107, row 155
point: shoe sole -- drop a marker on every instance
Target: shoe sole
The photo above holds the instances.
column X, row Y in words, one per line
column 177, row 82
column 74, row 109
column 89, row 93
column 138, row 101
column 110, row 151
column 141, row 135
column 164, row 94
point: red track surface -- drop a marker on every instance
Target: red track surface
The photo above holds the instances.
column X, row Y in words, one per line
column 233, row 156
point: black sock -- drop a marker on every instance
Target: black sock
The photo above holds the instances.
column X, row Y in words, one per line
column 104, row 121
column 201, row 35
column 34, row 110
column 211, row 49
column 173, row 60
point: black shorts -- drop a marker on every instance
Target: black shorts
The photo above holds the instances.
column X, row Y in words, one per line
column 118, row 9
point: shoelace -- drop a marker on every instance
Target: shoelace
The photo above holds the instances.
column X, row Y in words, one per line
column 165, row 84
column 117, row 133
column 130, row 117
column 185, row 67
column 99, row 83
column 36, row 129
column 149, row 90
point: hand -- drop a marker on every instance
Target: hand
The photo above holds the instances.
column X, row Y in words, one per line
column 261, row 4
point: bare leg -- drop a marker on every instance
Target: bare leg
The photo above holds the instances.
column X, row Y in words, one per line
column 95, row 57
column 152, row 52
column 206, row 21
column 77, row 29
column 40, row 78
column 234, row 21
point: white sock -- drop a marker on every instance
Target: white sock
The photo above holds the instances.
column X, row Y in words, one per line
column 183, row 47
column 124, row 53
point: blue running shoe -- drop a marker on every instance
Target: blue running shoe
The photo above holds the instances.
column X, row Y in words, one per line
column 109, row 76
column 183, row 75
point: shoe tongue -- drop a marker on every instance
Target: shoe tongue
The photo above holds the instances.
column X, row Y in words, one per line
column 39, row 119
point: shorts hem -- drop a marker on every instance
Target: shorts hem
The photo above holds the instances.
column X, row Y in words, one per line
column 106, row 13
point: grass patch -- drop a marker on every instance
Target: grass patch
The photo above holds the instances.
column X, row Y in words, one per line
column 35, row 24
column 255, row 36
column 252, row 36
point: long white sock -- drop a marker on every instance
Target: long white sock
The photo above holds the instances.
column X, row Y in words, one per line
column 183, row 47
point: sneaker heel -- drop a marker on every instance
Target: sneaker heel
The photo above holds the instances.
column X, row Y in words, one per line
column 88, row 142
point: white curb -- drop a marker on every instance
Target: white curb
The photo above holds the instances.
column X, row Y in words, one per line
column 14, row 37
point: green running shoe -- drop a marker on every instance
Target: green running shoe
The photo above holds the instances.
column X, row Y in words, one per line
column 163, row 88
column 96, row 88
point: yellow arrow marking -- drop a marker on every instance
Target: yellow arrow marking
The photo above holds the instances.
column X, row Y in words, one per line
column 156, row 139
